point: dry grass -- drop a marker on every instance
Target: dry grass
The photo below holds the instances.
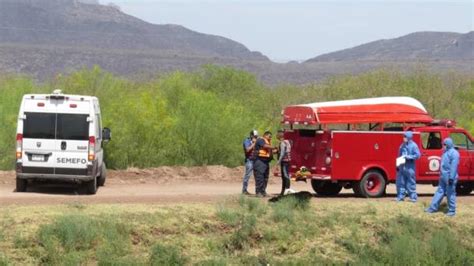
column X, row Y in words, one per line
column 237, row 231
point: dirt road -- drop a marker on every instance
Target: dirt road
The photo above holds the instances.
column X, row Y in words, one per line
column 150, row 186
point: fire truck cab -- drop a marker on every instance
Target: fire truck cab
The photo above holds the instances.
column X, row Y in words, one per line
column 355, row 143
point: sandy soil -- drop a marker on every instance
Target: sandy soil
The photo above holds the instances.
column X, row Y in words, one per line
column 167, row 185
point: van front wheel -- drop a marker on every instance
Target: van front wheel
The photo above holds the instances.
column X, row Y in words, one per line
column 91, row 186
column 21, row 185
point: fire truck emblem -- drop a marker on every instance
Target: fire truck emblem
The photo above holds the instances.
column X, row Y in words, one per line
column 434, row 163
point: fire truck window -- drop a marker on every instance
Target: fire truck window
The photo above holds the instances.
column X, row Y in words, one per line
column 460, row 140
column 307, row 133
column 431, row 140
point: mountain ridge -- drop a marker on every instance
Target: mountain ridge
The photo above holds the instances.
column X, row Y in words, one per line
column 427, row 45
column 44, row 38
column 73, row 23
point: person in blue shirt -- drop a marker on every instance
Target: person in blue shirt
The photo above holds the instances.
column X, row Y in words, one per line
column 248, row 146
column 406, row 174
column 448, row 177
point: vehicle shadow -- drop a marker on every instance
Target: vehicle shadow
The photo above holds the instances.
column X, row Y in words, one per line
column 305, row 195
column 56, row 188
column 388, row 195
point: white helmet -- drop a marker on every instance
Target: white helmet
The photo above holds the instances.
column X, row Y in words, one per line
column 254, row 133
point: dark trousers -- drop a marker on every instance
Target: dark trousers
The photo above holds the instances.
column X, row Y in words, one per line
column 285, row 177
column 261, row 170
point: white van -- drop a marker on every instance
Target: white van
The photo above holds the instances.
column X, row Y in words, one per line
column 60, row 137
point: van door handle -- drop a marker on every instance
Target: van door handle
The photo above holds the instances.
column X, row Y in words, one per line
column 63, row 145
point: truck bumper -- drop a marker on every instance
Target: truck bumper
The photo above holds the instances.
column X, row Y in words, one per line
column 321, row 177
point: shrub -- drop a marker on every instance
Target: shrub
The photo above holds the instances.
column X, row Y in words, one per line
column 201, row 117
column 166, row 255
column 411, row 241
column 71, row 239
column 3, row 260
column 73, row 232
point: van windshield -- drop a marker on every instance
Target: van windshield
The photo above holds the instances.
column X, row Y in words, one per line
column 56, row 126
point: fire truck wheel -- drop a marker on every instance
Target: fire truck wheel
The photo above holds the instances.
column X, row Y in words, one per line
column 372, row 185
column 326, row 188
column 464, row 188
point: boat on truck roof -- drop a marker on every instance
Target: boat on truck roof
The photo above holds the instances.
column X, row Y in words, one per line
column 370, row 110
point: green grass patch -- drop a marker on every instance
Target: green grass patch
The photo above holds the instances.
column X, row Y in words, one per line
column 72, row 239
column 166, row 255
column 238, row 231
column 3, row 260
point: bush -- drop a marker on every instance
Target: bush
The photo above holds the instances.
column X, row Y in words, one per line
column 3, row 260
column 243, row 219
column 166, row 255
column 201, row 118
column 411, row 241
column 447, row 250
column 75, row 232
column 71, row 239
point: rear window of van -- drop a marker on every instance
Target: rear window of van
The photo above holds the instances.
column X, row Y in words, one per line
column 56, row 126
column 39, row 126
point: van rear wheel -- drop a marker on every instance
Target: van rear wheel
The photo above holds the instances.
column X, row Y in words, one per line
column 325, row 188
column 21, row 185
column 372, row 185
column 103, row 175
column 464, row 188
column 91, row 186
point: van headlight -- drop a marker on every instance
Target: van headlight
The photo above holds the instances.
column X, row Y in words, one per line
column 328, row 160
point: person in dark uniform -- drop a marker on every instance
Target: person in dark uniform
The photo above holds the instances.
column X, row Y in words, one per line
column 263, row 155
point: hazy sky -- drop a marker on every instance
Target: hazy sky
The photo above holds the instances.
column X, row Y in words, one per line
column 301, row 29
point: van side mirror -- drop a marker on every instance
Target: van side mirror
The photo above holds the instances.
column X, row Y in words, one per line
column 106, row 134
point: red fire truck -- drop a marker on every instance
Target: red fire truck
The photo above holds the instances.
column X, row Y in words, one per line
column 354, row 144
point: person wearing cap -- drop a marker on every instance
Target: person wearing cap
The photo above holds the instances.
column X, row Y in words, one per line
column 248, row 145
column 448, row 178
column 406, row 172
